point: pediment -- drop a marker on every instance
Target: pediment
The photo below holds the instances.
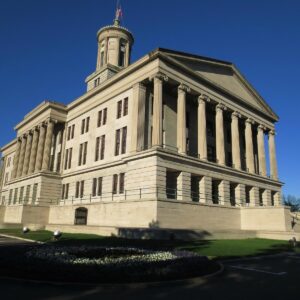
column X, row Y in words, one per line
column 226, row 76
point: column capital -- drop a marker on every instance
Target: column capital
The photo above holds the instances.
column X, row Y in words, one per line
column 159, row 76
column 221, row 107
column 183, row 88
column 249, row 121
column 261, row 127
column 272, row 132
column 203, row 98
column 236, row 115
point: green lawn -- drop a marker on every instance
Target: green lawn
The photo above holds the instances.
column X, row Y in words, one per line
column 212, row 248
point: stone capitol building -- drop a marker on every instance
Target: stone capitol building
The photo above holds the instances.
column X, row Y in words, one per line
column 172, row 141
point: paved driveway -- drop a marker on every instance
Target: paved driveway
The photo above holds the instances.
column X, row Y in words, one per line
column 267, row 278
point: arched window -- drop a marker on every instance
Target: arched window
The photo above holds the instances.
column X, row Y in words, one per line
column 81, row 214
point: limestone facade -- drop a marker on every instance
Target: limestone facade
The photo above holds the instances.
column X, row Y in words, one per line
column 170, row 135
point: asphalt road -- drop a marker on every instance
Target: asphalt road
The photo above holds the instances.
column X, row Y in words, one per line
column 276, row 277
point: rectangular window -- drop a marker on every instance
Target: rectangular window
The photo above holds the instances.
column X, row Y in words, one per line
column 6, row 178
column 81, row 189
column 80, row 154
column 67, row 191
column 8, row 161
column 69, row 133
column 102, row 150
column 125, row 107
column 104, row 116
column 99, row 118
column 115, row 184
column 124, row 138
column 16, row 195
column 21, row 194
column 84, row 153
column 117, row 142
column 77, row 189
column 66, row 159
column 119, row 109
column 63, row 192
column 34, row 192
column 99, row 188
column 94, row 187
column 70, row 158
column 97, row 148
column 82, row 126
column 87, row 124
column 58, row 162
column 121, row 182
column 27, row 194
column 10, row 196
column 73, row 131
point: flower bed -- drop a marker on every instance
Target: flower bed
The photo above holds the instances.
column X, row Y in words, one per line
column 109, row 264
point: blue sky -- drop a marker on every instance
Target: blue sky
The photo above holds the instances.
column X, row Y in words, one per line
column 48, row 47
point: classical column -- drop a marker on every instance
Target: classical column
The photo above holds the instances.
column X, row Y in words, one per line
column 47, row 147
column 27, row 154
column 22, row 154
column 220, row 148
column 202, row 138
column 249, row 146
column 16, row 159
column 261, row 150
column 40, row 148
column 181, row 118
column 138, row 117
column 33, row 151
column 157, row 109
column 235, row 140
column 272, row 154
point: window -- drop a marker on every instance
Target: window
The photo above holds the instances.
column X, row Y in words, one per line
column 122, row 54
column 119, row 109
column 16, row 195
column 34, row 192
column 82, row 154
column 123, row 104
column 115, row 184
column 96, row 82
column 70, row 133
column 125, row 107
column 8, row 161
column 79, row 192
column 82, row 126
column 58, row 162
column 6, row 178
column 21, row 194
column 81, row 216
column 68, row 159
column 100, row 149
column 121, row 183
column 65, row 191
column 10, row 196
column 85, row 125
column 102, row 58
column 97, row 187
column 102, row 117
column 28, row 187
column 124, row 137
column 117, row 143
column 118, row 179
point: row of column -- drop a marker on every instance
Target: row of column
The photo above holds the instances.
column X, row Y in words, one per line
column 202, row 137
column 33, row 150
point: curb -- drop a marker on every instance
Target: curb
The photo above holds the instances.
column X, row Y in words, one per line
column 21, row 239
column 140, row 284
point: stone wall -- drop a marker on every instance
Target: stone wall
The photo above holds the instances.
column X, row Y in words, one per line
column 275, row 218
column 192, row 215
column 117, row 214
